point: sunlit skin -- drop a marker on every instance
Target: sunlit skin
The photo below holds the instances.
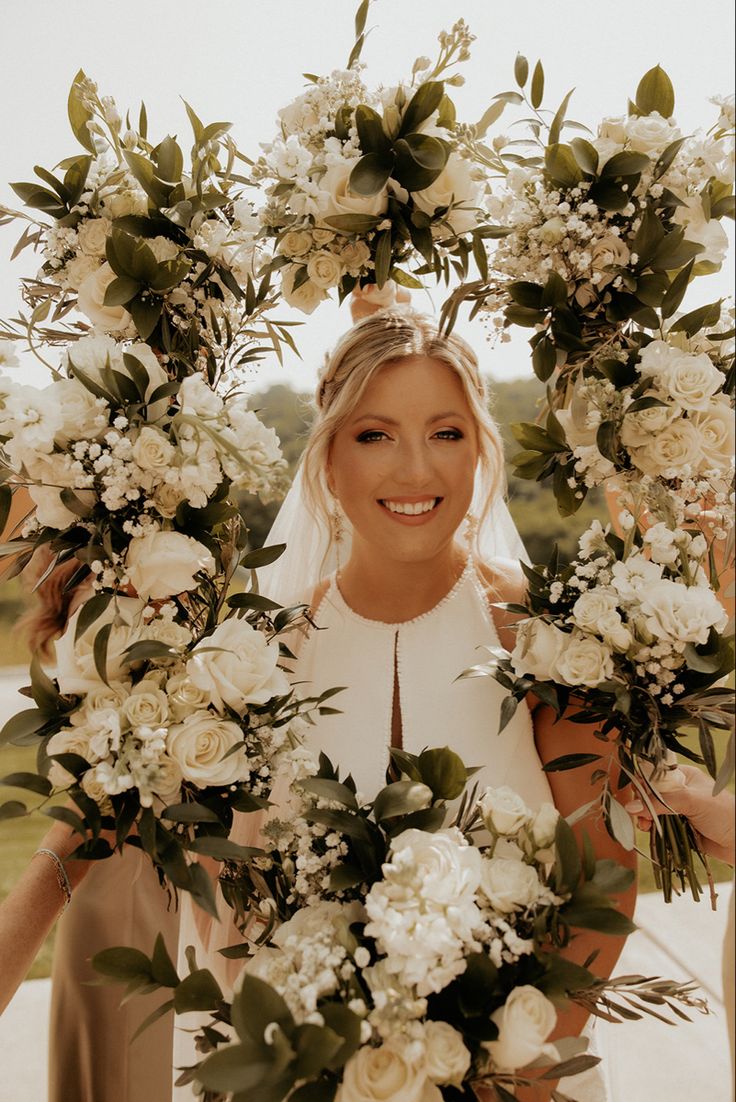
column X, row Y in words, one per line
column 411, row 441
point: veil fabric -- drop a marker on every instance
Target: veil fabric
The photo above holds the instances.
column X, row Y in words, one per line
column 311, row 553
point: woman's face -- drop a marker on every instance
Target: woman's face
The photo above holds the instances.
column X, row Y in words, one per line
column 403, row 464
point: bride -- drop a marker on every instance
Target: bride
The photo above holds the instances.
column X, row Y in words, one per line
column 398, row 539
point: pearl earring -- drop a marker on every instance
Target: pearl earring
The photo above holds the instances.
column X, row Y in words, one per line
column 471, row 530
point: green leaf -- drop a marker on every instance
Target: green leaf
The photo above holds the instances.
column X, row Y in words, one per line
column 567, row 858
column 264, row 556
column 383, row 257
column 561, row 165
column 22, row 724
column 648, row 237
column 162, row 966
column 43, row 690
column 256, row 1006
column 526, row 294
column 79, row 114
column 371, row 134
column 316, row 1047
column 509, row 705
column 555, row 128
column 696, row 320
column 190, row 813
column 420, row 158
column 12, row 809
column 221, row 849
column 425, row 100
column 491, row 115
column 537, row 91
column 122, row 963
column 625, row 163
column 655, row 93
column 401, row 798
column 99, row 650
column 255, row 601
column 609, row 196
column 676, row 291
column 586, row 155
column 32, row 782
column 358, row 224
column 360, row 17
column 330, row 790
column 443, row 771
column 199, row 991
column 236, row 1068
column 570, row 761
column 170, row 160
column 6, row 501
column 521, row 70
column 544, row 359
column 121, row 290
column 622, row 826
column 145, row 311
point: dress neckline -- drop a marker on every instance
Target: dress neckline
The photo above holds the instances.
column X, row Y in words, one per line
column 338, row 599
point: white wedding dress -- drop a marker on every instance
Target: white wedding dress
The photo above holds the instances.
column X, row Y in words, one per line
column 422, row 659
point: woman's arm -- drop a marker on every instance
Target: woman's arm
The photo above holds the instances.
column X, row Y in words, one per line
column 32, row 907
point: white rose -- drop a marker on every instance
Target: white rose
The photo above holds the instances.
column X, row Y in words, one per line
column 339, row 199
column 161, row 564
column 691, row 381
column 639, row 427
column 613, row 130
column 152, row 450
column 584, row 661
column 90, row 300
column 167, row 497
column 325, row 269
column 70, row 740
column 609, row 251
column 593, row 604
column 167, row 782
column 93, row 234
column 647, row 133
column 78, row 269
column 307, row 297
column 76, row 672
column 295, row 243
column 99, row 698
column 447, row 1058
column 538, row 646
column 503, row 810
column 83, row 416
column 147, row 705
column 682, row 613
column 163, row 248
column 707, row 232
column 128, row 201
column 509, row 884
column 552, row 231
column 385, row 1074
column 185, row 697
column 456, row 185
column 237, row 666
column 199, row 744
column 524, row 1022
column 614, row 632
column 715, row 428
column 196, row 397
column 322, row 236
column 447, row 867
column 355, row 255
column 51, row 512
column 95, row 789
column 672, row 451
column 544, row 825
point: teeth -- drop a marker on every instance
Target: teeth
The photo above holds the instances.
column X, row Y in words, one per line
column 411, row 508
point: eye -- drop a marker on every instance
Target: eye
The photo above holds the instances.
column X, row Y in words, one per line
column 449, row 434
column 370, row 436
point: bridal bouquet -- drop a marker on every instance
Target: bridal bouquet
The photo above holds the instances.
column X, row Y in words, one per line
column 632, row 638
column 144, row 245
column 362, row 183
column 129, row 470
column 390, row 955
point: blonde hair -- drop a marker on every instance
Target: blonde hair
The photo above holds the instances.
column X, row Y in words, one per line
column 380, row 339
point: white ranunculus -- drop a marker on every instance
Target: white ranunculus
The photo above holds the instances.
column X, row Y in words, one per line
column 457, row 185
column 196, row 397
column 584, row 661
column 257, row 444
column 632, row 577
column 161, row 564
column 715, row 427
column 163, row 248
column 70, row 740
column 503, row 810
column 152, row 450
column 638, row 428
column 650, row 133
column 185, row 697
column 538, row 646
column 682, row 613
column 199, row 745
column 78, row 268
column 325, row 269
column 593, row 604
column 237, row 666
column 147, row 705
column 552, row 231
column 339, row 199
column 524, row 1022
column 674, row 450
column 295, row 243
column 607, row 252
column 509, row 884
column 76, row 672
column 691, row 380
column 307, row 297
column 385, row 1074
column 90, row 300
column 93, row 234
column 707, row 232
column 661, row 543
column 447, row 1057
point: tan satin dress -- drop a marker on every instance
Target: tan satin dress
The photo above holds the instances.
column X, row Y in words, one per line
column 91, row 1057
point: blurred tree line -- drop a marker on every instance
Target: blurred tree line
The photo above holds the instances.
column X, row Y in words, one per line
column 532, row 504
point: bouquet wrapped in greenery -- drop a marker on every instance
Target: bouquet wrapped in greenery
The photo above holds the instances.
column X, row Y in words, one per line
column 384, row 947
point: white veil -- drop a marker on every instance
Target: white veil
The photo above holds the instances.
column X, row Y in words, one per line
column 311, row 553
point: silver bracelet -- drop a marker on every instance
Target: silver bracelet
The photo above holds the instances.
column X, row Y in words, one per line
column 61, row 875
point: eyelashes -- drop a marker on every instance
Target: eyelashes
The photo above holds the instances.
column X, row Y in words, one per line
column 371, row 436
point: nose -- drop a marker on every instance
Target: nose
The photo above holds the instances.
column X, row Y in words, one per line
column 414, row 468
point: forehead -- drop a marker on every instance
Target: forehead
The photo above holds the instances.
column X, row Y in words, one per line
column 414, row 383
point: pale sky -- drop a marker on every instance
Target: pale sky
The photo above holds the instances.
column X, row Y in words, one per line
column 240, row 60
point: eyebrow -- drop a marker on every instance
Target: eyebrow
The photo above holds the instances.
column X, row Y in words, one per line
column 446, row 416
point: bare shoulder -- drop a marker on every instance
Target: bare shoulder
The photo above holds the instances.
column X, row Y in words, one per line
column 504, row 583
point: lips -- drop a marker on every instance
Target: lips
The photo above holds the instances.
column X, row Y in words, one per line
column 423, row 507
